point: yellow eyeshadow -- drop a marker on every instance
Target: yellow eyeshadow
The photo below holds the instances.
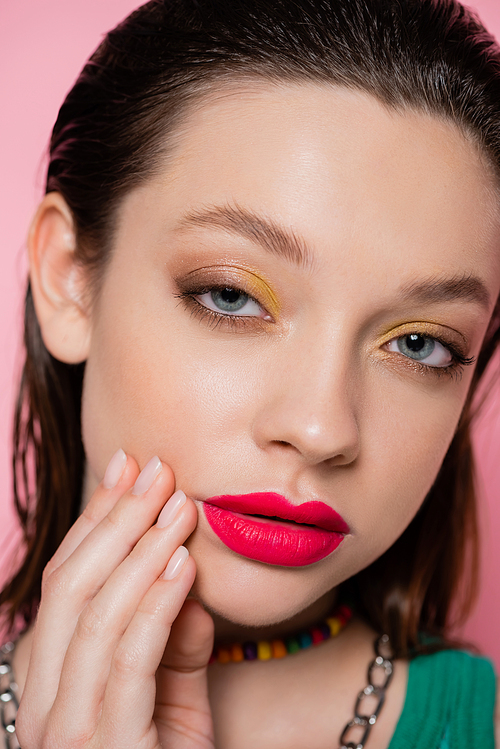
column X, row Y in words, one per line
column 423, row 328
column 259, row 289
column 249, row 281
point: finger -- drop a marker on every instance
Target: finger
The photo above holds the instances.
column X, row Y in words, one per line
column 70, row 586
column 51, row 648
column 100, row 504
column 105, row 619
column 128, row 706
column 181, row 678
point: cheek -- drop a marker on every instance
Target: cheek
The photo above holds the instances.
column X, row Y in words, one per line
column 151, row 389
column 407, row 436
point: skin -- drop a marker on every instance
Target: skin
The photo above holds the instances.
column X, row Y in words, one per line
column 308, row 396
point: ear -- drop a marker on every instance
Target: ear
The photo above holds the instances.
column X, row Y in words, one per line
column 57, row 281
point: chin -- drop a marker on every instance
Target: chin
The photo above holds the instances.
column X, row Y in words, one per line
column 245, row 613
column 251, row 594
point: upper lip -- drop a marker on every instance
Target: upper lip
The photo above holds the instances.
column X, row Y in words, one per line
column 270, row 504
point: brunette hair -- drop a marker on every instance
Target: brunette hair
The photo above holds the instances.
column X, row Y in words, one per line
column 112, row 134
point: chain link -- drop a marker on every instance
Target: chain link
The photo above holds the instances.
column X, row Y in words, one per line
column 380, row 672
column 8, row 697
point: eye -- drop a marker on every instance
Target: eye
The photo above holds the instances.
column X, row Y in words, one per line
column 422, row 349
column 230, row 301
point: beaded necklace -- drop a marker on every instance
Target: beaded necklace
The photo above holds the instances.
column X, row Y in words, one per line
column 265, row 650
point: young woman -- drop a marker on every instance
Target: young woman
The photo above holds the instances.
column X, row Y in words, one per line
column 263, row 291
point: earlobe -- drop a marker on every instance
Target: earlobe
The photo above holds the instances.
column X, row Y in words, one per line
column 56, row 281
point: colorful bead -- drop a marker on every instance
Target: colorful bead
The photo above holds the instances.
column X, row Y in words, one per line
column 292, row 645
column 264, row 652
column 325, row 631
column 317, row 635
column 237, row 654
column 345, row 611
column 250, row 651
column 335, row 625
column 223, row 655
column 278, row 648
column 305, row 640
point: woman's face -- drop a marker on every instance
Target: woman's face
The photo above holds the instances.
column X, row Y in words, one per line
column 367, row 245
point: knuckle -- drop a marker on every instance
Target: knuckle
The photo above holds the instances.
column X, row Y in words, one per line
column 92, row 513
column 127, row 662
column 118, row 525
column 47, row 573
column 60, row 738
column 151, row 608
column 90, row 623
column 56, row 583
column 67, row 737
column 117, row 517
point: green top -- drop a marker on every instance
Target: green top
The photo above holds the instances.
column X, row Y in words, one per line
column 450, row 703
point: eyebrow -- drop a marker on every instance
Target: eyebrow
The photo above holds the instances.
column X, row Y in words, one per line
column 285, row 244
column 467, row 288
column 274, row 238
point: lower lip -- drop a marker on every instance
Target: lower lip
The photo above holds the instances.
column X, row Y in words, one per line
column 283, row 544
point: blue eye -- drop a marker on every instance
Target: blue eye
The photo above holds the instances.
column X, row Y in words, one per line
column 422, row 349
column 230, row 301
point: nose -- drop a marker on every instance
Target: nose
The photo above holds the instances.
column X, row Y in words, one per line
column 310, row 406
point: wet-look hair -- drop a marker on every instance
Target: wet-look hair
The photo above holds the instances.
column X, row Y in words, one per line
column 114, row 132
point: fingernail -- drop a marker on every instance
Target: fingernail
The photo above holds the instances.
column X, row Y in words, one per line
column 171, row 509
column 177, row 561
column 147, row 476
column 115, row 469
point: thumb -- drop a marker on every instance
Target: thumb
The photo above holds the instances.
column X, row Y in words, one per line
column 191, row 639
column 182, row 709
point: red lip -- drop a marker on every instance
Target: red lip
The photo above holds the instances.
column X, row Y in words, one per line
column 294, row 535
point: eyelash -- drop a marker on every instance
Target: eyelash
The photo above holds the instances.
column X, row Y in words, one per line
column 217, row 320
column 454, row 369
column 238, row 322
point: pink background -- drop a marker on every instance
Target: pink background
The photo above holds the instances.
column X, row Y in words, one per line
column 43, row 44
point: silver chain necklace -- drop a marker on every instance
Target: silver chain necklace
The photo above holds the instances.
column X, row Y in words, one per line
column 8, row 697
column 354, row 735
column 380, row 673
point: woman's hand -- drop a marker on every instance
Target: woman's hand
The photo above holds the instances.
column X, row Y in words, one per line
column 119, row 656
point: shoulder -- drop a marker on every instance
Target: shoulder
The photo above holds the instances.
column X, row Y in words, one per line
column 465, row 688
column 450, row 692
column 463, row 662
column 461, row 674
column 497, row 715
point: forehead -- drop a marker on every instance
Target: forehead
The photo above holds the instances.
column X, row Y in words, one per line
column 343, row 171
